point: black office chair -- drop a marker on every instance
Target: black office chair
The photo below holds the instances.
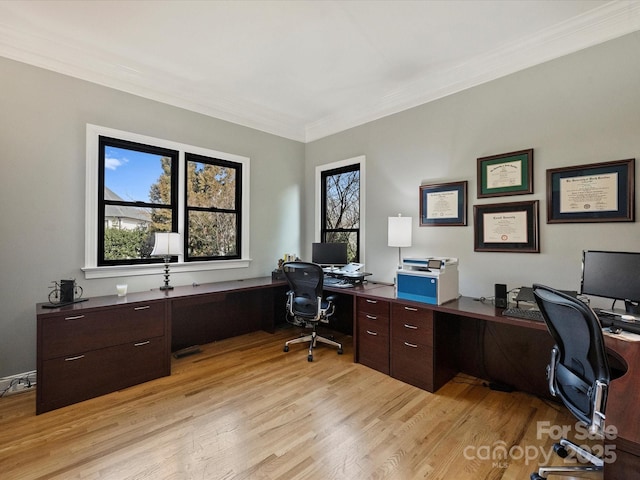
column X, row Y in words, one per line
column 305, row 305
column 578, row 373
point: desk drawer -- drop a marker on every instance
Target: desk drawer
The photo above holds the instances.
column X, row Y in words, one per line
column 373, row 349
column 72, row 379
column 373, row 306
column 412, row 324
column 412, row 363
column 377, row 323
column 79, row 331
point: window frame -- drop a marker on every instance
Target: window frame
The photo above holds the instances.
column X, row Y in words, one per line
column 345, row 165
column 103, row 142
column 91, row 268
column 192, row 157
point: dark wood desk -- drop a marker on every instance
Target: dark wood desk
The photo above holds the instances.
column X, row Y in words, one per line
column 108, row 343
column 462, row 335
column 515, row 352
column 213, row 311
column 624, row 391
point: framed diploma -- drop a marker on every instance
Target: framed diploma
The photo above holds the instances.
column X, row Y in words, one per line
column 599, row 192
column 506, row 174
column 443, row 204
column 506, row 227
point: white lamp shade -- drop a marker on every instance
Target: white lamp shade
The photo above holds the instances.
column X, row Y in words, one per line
column 167, row 244
column 399, row 231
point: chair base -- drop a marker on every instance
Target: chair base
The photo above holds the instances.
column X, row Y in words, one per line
column 593, row 470
column 313, row 338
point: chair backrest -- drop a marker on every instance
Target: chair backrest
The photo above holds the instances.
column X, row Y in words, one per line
column 580, row 361
column 306, row 281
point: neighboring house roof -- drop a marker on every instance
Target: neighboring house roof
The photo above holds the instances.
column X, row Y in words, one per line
column 119, row 211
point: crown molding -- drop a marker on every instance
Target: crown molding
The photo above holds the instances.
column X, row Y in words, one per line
column 99, row 67
column 608, row 22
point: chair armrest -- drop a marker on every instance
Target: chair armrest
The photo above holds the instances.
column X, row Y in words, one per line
column 331, row 298
column 551, row 371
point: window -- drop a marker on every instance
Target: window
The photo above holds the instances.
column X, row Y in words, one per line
column 137, row 196
column 341, row 200
column 138, row 185
column 213, row 213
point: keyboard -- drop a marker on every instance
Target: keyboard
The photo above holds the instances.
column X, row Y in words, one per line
column 337, row 282
column 525, row 313
column 615, row 322
column 332, row 281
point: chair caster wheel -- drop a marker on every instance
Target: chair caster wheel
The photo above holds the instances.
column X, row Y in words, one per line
column 286, row 348
column 560, row 450
column 535, row 476
column 309, row 358
column 339, row 351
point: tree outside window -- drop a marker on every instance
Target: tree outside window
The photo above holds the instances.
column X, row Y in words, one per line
column 341, row 208
column 138, row 196
column 213, row 216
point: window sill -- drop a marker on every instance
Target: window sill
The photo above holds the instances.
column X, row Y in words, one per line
column 158, row 268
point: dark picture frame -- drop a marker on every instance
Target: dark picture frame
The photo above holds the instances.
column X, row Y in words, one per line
column 506, row 174
column 597, row 192
column 507, row 227
column 443, row 204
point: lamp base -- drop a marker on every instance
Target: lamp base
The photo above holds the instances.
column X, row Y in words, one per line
column 166, row 285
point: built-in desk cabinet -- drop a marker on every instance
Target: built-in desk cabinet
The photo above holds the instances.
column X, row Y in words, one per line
column 422, row 351
column 373, row 333
column 412, row 345
column 402, row 339
column 84, row 353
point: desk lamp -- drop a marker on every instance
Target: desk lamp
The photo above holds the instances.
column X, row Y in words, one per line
column 399, row 234
column 167, row 245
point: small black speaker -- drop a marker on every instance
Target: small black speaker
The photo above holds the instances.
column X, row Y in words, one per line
column 501, row 295
column 66, row 290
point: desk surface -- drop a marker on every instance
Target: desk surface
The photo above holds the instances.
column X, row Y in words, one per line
column 178, row 292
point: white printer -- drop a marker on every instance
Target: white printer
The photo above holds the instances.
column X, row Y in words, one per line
column 432, row 280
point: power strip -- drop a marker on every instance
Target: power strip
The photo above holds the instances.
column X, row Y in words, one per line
column 17, row 384
column 18, row 388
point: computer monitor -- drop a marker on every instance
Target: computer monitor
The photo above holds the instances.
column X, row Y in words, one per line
column 329, row 254
column 614, row 275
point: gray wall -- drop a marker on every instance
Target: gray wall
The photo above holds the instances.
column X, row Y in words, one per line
column 580, row 109
column 43, row 116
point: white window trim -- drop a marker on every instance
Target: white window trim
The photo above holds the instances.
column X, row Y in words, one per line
column 318, row 213
column 91, row 268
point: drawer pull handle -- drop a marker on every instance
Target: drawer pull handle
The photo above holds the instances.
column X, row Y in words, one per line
column 412, row 345
column 140, row 344
column 411, row 309
column 142, row 308
column 371, row 301
column 372, row 317
column 375, row 334
column 77, row 317
column 71, row 359
column 413, row 327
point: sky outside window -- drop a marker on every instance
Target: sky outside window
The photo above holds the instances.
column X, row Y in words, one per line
column 130, row 174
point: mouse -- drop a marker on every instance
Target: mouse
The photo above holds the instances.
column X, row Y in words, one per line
column 628, row 318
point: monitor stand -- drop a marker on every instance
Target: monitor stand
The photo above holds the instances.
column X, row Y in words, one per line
column 631, row 308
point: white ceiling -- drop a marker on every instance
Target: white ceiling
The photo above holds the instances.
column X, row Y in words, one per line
column 302, row 69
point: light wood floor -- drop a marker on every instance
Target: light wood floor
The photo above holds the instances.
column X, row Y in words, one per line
column 244, row 409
